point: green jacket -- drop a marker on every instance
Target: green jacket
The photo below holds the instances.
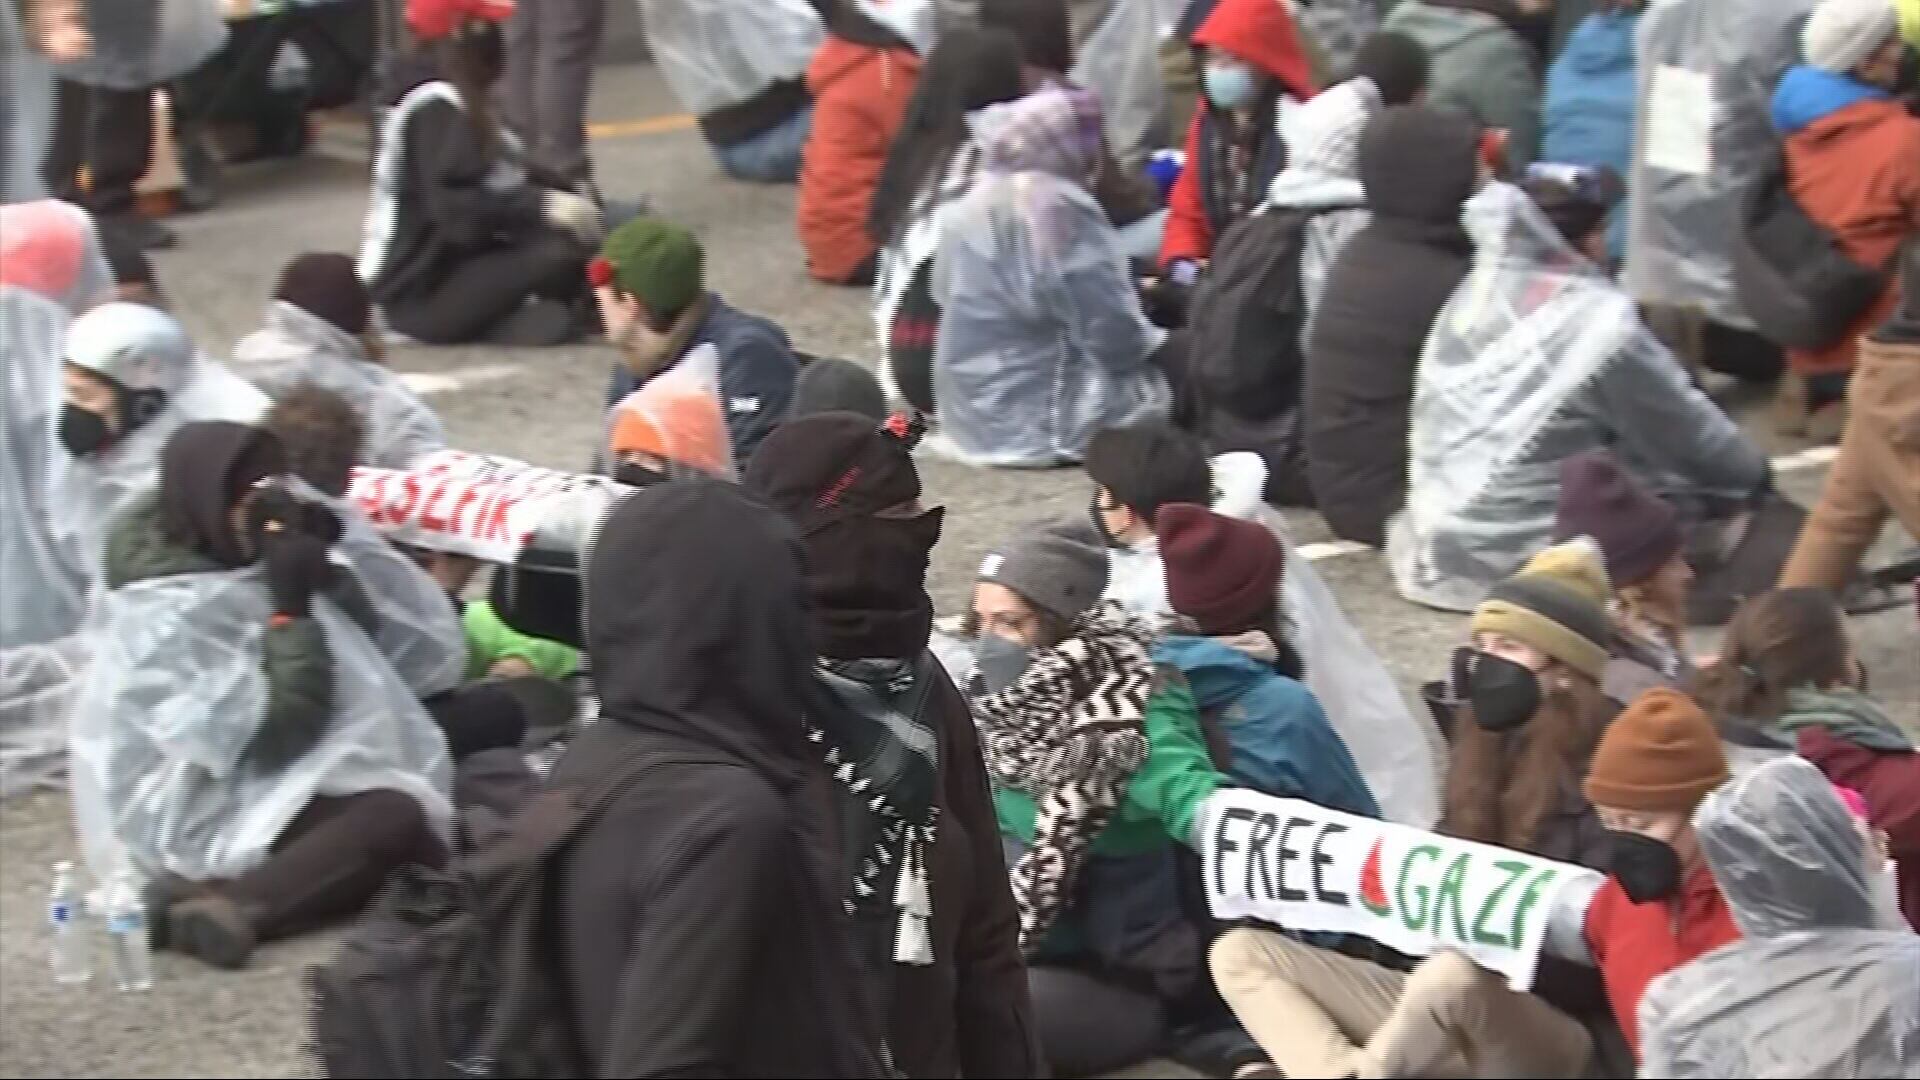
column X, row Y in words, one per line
column 490, row 640
column 1480, row 69
column 1166, row 793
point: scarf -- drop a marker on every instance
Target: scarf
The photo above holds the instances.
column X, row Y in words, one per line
column 648, row 354
column 886, row 759
column 1071, row 734
column 1846, row 714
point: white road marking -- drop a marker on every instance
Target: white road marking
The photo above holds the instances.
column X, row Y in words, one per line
column 432, row 383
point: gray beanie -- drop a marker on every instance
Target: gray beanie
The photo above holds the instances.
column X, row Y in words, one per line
column 1052, row 567
column 831, row 385
column 1842, row 34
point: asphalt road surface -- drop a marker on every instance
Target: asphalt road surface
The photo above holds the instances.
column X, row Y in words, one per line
column 543, row 406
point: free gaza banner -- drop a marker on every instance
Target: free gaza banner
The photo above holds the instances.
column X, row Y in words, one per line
column 479, row 505
column 1304, row 867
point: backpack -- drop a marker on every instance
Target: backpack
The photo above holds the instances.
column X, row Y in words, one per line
column 1247, row 314
column 451, row 972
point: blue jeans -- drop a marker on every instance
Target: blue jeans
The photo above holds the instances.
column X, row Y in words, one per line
column 771, row 157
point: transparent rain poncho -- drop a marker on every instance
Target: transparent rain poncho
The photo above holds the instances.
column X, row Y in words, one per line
column 1042, row 341
column 294, row 345
column 677, row 416
column 26, row 112
column 420, row 633
column 1118, row 58
column 1706, row 72
column 716, row 53
column 51, row 248
column 1814, row 988
column 40, row 600
column 177, row 693
column 143, row 43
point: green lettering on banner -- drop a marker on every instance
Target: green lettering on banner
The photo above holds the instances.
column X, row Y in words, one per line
column 1451, row 885
column 1530, row 898
column 1515, row 871
column 1413, row 921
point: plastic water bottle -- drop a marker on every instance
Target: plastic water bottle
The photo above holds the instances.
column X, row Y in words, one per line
column 127, row 929
column 71, row 955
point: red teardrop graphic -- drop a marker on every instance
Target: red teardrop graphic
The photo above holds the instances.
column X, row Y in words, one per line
column 1373, row 892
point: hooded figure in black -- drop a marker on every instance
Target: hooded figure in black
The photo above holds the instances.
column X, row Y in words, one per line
column 704, row 933
column 1419, row 166
column 922, row 868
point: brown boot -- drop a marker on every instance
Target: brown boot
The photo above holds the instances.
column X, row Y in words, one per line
column 212, row 928
column 160, row 896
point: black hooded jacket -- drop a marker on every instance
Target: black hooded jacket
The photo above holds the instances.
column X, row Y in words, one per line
column 703, row 929
column 1381, row 297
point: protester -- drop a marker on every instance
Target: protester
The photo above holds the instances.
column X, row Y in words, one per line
column 1587, row 114
column 1223, row 577
column 1787, row 668
column 1818, row 985
column 932, row 163
column 1252, row 61
column 650, row 280
column 319, row 329
column 550, row 52
column 1483, row 65
column 702, row 925
column 1877, row 473
column 933, row 918
column 739, row 67
column 1042, row 340
column 861, row 81
column 274, row 772
column 829, row 384
column 1379, row 302
column 1535, row 358
column 461, row 244
column 1098, row 769
column 1534, row 715
column 1116, row 49
column 672, row 428
column 1853, row 163
column 1639, row 535
column 52, row 249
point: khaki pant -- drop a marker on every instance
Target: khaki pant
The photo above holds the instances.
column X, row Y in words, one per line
column 1319, row 1013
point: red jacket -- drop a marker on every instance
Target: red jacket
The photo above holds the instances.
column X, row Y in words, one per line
column 860, row 96
column 1261, row 32
column 1634, row 944
column 1890, row 783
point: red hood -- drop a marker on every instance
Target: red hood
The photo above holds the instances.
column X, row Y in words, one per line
column 1262, row 32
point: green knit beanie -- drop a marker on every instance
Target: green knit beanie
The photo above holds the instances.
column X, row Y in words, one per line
column 658, row 262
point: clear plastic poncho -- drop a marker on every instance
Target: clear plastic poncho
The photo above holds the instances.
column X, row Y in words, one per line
column 143, row 43
column 677, row 415
column 1118, row 58
column 1706, row 70
column 177, row 693
column 1042, row 340
column 26, row 112
column 420, row 632
column 716, row 53
column 1532, row 324
column 1813, row 988
column 294, row 345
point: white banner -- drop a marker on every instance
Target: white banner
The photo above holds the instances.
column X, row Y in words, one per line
column 1307, row 868
column 475, row 504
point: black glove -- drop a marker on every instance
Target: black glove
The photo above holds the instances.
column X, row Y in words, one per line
column 1166, row 302
column 295, row 558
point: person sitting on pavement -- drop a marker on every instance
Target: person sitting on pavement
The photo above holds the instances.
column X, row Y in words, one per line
column 1786, row 668
column 1223, row 580
column 1538, row 356
column 1252, row 62
column 1113, row 957
column 650, row 280
column 861, row 80
column 1529, row 718
column 461, row 244
column 1591, row 96
column 239, row 737
column 1381, row 297
column 702, row 927
column 54, row 250
column 1042, row 339
column 926, row 881
column 671, row 428
column 830, row 384
column 1484, row 68
column 1853, row 165
column 319, row 329
column 1819, row 984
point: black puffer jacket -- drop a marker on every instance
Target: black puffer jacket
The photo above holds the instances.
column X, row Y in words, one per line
column 1380, row 301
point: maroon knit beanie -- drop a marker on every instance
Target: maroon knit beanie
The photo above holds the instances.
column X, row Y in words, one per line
column 1636, row 530
column 1222, row 572
column 325, row 284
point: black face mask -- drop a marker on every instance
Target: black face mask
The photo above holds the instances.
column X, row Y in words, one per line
column 82, row 431
column 1505, row 695
column 1647, row 869
column 1100, row 524
column 634, row 474
column 868, row 579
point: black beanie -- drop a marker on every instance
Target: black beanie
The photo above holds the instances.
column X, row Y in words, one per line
column 1395, row 63
column 326, row 284
column 1148, row 466
column 834, row 465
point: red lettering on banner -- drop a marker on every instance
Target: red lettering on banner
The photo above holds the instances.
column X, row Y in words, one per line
column 457, row 516
column 427, row 520
column 370, row 499
column 409, row 499
column 494, row 525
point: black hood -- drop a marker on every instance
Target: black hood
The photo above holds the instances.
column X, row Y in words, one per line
column 1419, row 164
column 205, row 469
column 697, row 624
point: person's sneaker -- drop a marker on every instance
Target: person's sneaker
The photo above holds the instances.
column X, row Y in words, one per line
column 538, row 324
column 160, row 896
column 143, row 232
column 212, row 929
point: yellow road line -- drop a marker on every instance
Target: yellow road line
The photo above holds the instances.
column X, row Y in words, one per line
column 655, row 125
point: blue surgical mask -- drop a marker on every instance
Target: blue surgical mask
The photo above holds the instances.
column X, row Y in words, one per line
column 1231, row 86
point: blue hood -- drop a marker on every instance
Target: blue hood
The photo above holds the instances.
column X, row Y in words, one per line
column 1602, row 44
column 1219, row 674
column 1810, row 94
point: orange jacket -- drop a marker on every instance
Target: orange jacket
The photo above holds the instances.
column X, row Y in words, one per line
column 860, row 96
column 1857, row 172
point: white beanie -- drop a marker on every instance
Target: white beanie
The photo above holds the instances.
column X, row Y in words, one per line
column 139, row 347
column 1842, row 34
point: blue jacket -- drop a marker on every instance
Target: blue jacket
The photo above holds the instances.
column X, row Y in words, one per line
column 1809, row 94
column 1282, row 744
column 1589, row 107
column 757, row 369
